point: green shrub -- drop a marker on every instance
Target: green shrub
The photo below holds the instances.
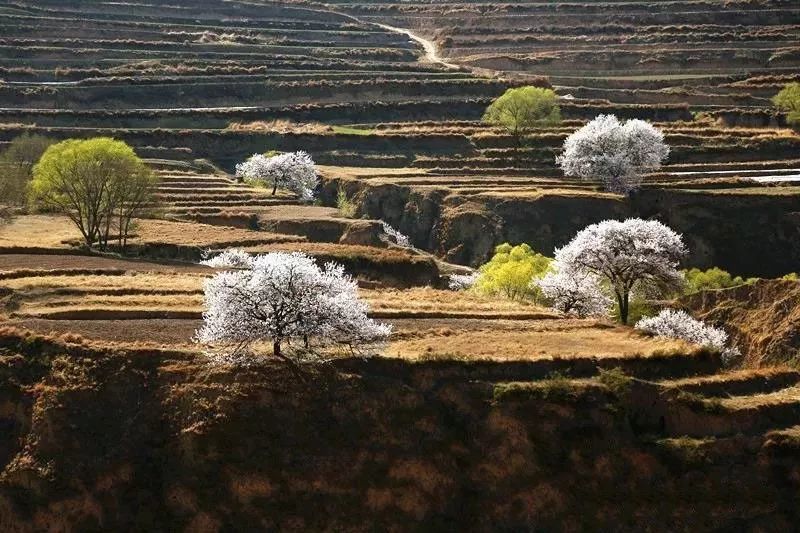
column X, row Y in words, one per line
column 714, row 278
column 788, row 101
column 346, row 207
column 510, row 272
column 699, row 403
column 557, row 386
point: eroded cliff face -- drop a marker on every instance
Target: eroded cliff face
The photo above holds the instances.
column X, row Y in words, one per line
column 149, row 441
column 751, row 235
column 763, row 319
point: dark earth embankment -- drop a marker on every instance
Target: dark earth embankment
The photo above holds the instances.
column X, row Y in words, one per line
column 746, row 234
column 156, row 441
column 763, row 319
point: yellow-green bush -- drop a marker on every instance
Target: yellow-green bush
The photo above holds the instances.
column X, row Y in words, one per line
column 511, row 270
column 714, row 278
column 788, row 101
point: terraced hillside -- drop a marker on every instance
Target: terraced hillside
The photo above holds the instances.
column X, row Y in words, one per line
column 705, row 52
column 358, row 85
column 272, row 59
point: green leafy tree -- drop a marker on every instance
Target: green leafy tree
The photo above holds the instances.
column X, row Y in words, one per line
column 510, row 272
column 714, row 278
column 521, row 109
column 16, row 166
column 99, row 184
column 788, row 101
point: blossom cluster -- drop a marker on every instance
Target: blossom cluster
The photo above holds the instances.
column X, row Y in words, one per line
column 674, row 324
column 399, row 238
column 461, row 282
column 285, row 298
column 574, row 293
column 294, row 171
column 617, row 153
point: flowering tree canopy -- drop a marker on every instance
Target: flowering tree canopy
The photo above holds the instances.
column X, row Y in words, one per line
column 632, row 255
column 285, row 298
column 575, row 293
column 462, row 282
column 294, row 171
column 231, row 258
column 680, row 325
column 399, row 238
column 617, row 153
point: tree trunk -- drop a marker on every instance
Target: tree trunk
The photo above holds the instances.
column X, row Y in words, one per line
column 276, row 349
column 622, row 301
column 275, row 188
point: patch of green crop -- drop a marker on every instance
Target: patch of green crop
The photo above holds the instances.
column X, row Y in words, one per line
column 347, row 130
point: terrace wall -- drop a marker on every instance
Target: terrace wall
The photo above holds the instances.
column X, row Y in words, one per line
column 737, row 232
column 150, row 441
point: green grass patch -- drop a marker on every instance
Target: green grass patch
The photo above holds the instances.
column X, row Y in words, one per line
column 348, row 130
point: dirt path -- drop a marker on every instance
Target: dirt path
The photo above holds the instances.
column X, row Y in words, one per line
column 430, row 48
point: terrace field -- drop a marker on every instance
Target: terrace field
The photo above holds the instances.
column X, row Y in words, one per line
column 480, row 413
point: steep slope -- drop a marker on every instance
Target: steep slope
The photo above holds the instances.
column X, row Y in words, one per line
column 158, row 441
column 764, row 319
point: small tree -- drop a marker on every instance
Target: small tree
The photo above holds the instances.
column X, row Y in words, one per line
column 294, row 171
column 634, row 255
column 511, row 270
column 100, row 184
column 520, row 110
column 286, row 299
column 617, row 153
column 788, row 101
column 16, row 166
column 575, row 293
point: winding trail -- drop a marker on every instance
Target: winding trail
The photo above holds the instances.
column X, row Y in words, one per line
column 430, row 48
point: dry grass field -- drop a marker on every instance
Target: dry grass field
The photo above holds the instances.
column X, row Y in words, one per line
column 428, row 322
column 515, row 340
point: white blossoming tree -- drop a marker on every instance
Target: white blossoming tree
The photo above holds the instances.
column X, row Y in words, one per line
column 399, row 238
column 617, row 153
column 634, row 255
column 462, row 282
column 231, row 258
column 287, row 300
column 294, row 171
column 673, row 324
column 574, row 293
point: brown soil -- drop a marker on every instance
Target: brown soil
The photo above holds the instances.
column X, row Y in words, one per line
column 150, row 331
column 158, row 440
column 31, row 262
column 763, row 319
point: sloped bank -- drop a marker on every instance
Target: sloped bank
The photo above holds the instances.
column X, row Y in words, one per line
column 751, row 235
column 156, row 441
column 763, row 319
